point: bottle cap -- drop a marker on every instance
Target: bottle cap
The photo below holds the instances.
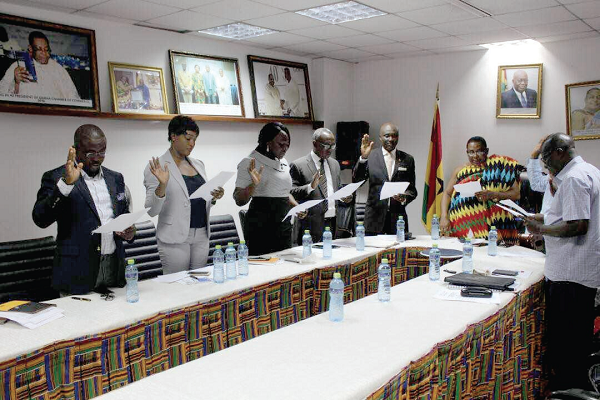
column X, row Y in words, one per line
column 360, row 223
column 400, row 217
column 230, row 244
column 435, row 245
column 306, row 231
column 242, row 241
column 468, row 239
column 218, row 247
column 434, row 215
column 384, row 260
column 130, row 261
column 493, row 227
column 327, row 228
column 337, row 275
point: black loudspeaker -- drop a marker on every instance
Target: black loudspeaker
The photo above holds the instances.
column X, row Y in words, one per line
column 349, row 135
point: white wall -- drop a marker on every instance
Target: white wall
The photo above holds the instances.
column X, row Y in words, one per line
column 403, row 91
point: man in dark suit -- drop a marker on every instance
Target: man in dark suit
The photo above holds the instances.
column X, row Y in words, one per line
column 316, row 176
column 519, row 96
column 385, row 164
column 80, row 196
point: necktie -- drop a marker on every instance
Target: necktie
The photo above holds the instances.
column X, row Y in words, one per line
column 323, row 182
column 389, row 163
column 523, row 100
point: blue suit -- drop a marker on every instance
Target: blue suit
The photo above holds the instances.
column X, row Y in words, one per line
column 510, row 99
column 77, row 254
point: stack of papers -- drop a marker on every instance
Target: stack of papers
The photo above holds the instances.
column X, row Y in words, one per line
column 30, row 319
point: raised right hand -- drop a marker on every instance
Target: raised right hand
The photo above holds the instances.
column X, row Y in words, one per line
column 366, row 145
column 21, row 75
column 255, row 174
column 160, row 172
column 315, row 180
column 72, row 168
column 538, row 148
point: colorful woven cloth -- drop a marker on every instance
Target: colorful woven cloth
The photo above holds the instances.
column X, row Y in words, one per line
column 497, row 175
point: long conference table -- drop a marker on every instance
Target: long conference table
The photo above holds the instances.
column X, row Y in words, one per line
column 224, row 341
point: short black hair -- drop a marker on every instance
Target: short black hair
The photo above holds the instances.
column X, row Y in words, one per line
column 180, row 124
column 478, row 139
column 37, row 35
column 268, row 133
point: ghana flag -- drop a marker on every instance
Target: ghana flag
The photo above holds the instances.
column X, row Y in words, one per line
column 434, row 176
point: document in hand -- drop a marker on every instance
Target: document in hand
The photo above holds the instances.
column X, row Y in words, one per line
column 345, row 191
column 122, row 222
column 390, row 189
column 514, row 208
column 468, row 189
column 302, row 207
column 218, row 181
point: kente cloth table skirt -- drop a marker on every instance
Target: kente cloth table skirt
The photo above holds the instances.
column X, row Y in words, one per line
column 92, row 364
column 414, row 347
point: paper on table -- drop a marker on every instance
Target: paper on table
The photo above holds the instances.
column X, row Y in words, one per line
column 515, row 206
column 122, row 222
column 345, row 191
column 454, row 295
column 170, row 278
column 301, row 207
column 390, row 189
column 218, row 181
column 468, row 189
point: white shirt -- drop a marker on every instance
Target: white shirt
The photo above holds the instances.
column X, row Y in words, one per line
column 272, row 100
column 331, row 205
column 292, row 98
column 102, row 201
column 223, row 89
column 540, row 183
column 575, row 259
column 53, row 81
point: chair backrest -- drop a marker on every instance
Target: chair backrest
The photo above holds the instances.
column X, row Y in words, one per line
column 26, row 269
column 360, row 212
column 144, row 251
column 222, row 231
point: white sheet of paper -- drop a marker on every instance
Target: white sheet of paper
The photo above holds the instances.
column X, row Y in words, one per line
column 468, row 189
column 218, row 181
column 513, row 212
column 301, row 207
column 345, row 191
column 515, row 206
column 390, row 189
column 122, row 222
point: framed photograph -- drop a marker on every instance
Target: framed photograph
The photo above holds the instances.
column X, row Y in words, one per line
column 280, row 88
column 137, row 90
column 583, row 110
column 519, row 91
column 206, row 85
column 47, row 65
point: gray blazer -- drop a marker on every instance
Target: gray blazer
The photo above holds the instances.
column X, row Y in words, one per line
column 174, row 209
column 302, row 171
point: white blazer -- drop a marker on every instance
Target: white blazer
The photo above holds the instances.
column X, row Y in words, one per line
column 174, row 209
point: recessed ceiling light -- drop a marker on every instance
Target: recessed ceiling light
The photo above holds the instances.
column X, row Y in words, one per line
column 524, row 42
column 238, row 31
column 341, row 12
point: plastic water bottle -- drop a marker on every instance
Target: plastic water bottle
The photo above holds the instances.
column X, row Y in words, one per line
column 360, row 237
column 243, row 258
column 400, row 224
column 131, row 276
column 434, row 263
column 467, row 258
column 218, row 267
column 493, row 242
column 230, row 256
column 336, row 298
column 384, row 287
column 306, row 244
column 435, row 227
column 327, row 245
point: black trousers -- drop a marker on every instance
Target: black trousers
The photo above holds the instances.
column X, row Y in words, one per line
column 264, row 230
column 569, row 333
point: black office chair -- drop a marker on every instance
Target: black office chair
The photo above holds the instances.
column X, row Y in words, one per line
column 144, row 251
column 222, row 231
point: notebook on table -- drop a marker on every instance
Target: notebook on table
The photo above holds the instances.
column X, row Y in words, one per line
column 492, row 282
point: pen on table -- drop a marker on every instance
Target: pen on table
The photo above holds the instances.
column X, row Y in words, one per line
column 80, row 298
column 290, row 260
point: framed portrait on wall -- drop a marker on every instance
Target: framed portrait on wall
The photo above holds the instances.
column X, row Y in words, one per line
column 583, row 110
column 47, row 65
column 137, row 90
column 519, row 93
column 206, row 85
column 280, row 88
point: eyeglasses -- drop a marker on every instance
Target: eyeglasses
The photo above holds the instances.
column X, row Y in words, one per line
column 41, row 49
column 327, row 146
column 480, row 153
column 92, row 154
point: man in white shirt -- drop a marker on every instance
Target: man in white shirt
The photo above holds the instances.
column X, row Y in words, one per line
column 519, row 96
column 272, row 98
column 51, row 80
column 223, row 88
column 572, row 234
column 80, row 196
column 291, row 95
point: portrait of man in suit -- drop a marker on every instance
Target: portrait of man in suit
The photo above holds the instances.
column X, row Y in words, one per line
column 519, row 95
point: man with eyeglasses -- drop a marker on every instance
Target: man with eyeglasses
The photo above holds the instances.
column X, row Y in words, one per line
column 385, row 164
column 80, row 196
column 47, row 78
column 571, row 229
column 314, row 177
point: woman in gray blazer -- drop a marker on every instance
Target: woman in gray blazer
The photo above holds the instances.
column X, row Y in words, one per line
column 183, row 223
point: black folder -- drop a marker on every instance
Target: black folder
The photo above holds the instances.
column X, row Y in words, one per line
column 492, row 282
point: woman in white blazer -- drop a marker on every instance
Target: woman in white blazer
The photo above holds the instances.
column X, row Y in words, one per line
column 183, row 224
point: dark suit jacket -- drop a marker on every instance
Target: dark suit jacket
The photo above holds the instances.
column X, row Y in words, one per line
column 77, row 255
column 302, row 171
column 376, row 172
column 510, row 99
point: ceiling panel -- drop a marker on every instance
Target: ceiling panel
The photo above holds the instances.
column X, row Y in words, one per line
column 417, row 53
column 395, row 6
column 371, row 58
column 437, row 15
column 286, row 22
column 593, row 22
column 559, row 28
column 318, row 46
column 470, row 26
column 536, row 17
column 459, row 48
column 421, row 32
column 295, row 5
column 496, row 7
column 71, row 4
column 326, row 32
column 571, row 36
column 137, row 10
column 361, row 40
column 502, row 35
column 280, row 39
column 239, row 10
column 437, row 43
column 379, row 24
column 590, row 9
column 185, row 4
column 391, row 48
column 188, row 20
column 348, row 54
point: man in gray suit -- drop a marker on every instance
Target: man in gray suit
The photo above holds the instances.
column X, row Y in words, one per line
column 316, row 176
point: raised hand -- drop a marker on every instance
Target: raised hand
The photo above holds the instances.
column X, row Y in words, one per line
column 315, row 180
column 160, row 172
column 72, row 168
column 21, row 75
column 366, row 145
column 254, row 174
column 538, row 148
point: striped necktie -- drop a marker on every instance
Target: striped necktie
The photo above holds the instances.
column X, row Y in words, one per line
column 323, row 182
column 523, row 100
